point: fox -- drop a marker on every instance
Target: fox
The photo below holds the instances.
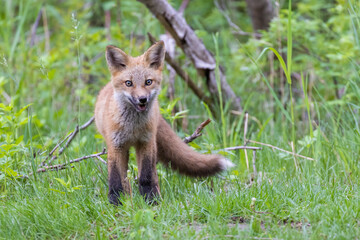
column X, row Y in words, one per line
column 127, row 115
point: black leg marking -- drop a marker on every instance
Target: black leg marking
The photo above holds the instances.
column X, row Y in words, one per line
column 147, row 185
column 115, row 187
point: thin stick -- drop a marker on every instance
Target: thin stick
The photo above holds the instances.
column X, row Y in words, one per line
column 183, row 6
column 101, row 160
column 243, row 147
column 295, row 161
column 98, row 167
column 245, row 132
column 254, row 165
column 282, row 150
column 69, row 138
column 60, row 166
column 197, row 132
column 238, row 113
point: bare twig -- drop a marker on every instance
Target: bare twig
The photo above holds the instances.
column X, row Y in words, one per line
column 61, row 166
column 101, row 160
column 282, row 150
column 197, row 132
column 69, row 138
column 238, row 113
column 245, row 132
column 243, row 147
column 88, row 123
column 183, row 6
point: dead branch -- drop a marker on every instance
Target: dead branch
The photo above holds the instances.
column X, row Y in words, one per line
column 193, row 48
column 197, row 132
column 183, row 6
column 61, row 166
column 101, row 160
column 242, row 147
column 280, row 149
column 69, row 138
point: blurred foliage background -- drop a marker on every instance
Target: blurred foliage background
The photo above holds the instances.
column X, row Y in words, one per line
column 52, row 66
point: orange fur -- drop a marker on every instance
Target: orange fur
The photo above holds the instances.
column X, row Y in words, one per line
column 127, row 114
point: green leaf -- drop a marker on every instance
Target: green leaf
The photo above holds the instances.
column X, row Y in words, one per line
column 55, row 190
column 22, row 109
column 19, row 140
column 61, row 181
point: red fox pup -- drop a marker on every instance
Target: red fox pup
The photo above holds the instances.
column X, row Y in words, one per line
column 127, row 114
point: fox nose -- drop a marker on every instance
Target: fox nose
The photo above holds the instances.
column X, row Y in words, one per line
column 143, row 100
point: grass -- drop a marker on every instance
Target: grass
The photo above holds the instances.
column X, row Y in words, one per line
column 319, row 200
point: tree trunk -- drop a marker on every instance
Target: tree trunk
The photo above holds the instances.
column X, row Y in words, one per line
column 261, row 13
column 193, row 48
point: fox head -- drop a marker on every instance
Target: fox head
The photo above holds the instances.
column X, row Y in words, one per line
column 136, row 80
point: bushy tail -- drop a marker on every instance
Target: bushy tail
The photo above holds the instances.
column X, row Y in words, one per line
column 172, row 151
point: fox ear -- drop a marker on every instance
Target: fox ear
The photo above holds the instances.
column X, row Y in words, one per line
column 155, row 55
column 116, row 58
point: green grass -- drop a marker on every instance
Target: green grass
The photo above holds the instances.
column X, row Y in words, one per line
column 319, row 200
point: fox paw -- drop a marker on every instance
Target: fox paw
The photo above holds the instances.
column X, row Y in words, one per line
column 114, row 199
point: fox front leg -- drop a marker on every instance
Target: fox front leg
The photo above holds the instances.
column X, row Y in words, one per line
column 148, row 178
column 117, row 174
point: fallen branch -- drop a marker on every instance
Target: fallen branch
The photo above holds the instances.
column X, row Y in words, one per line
column 101, row 160
column 62, row 166
column 243, row 147
column 69, row 138
column 197, row 132
column 280, row 149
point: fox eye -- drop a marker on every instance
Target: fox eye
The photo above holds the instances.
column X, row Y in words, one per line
column 148, row 82
column 128, row 83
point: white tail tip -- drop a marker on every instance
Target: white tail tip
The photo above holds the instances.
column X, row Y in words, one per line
column 226, row 164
